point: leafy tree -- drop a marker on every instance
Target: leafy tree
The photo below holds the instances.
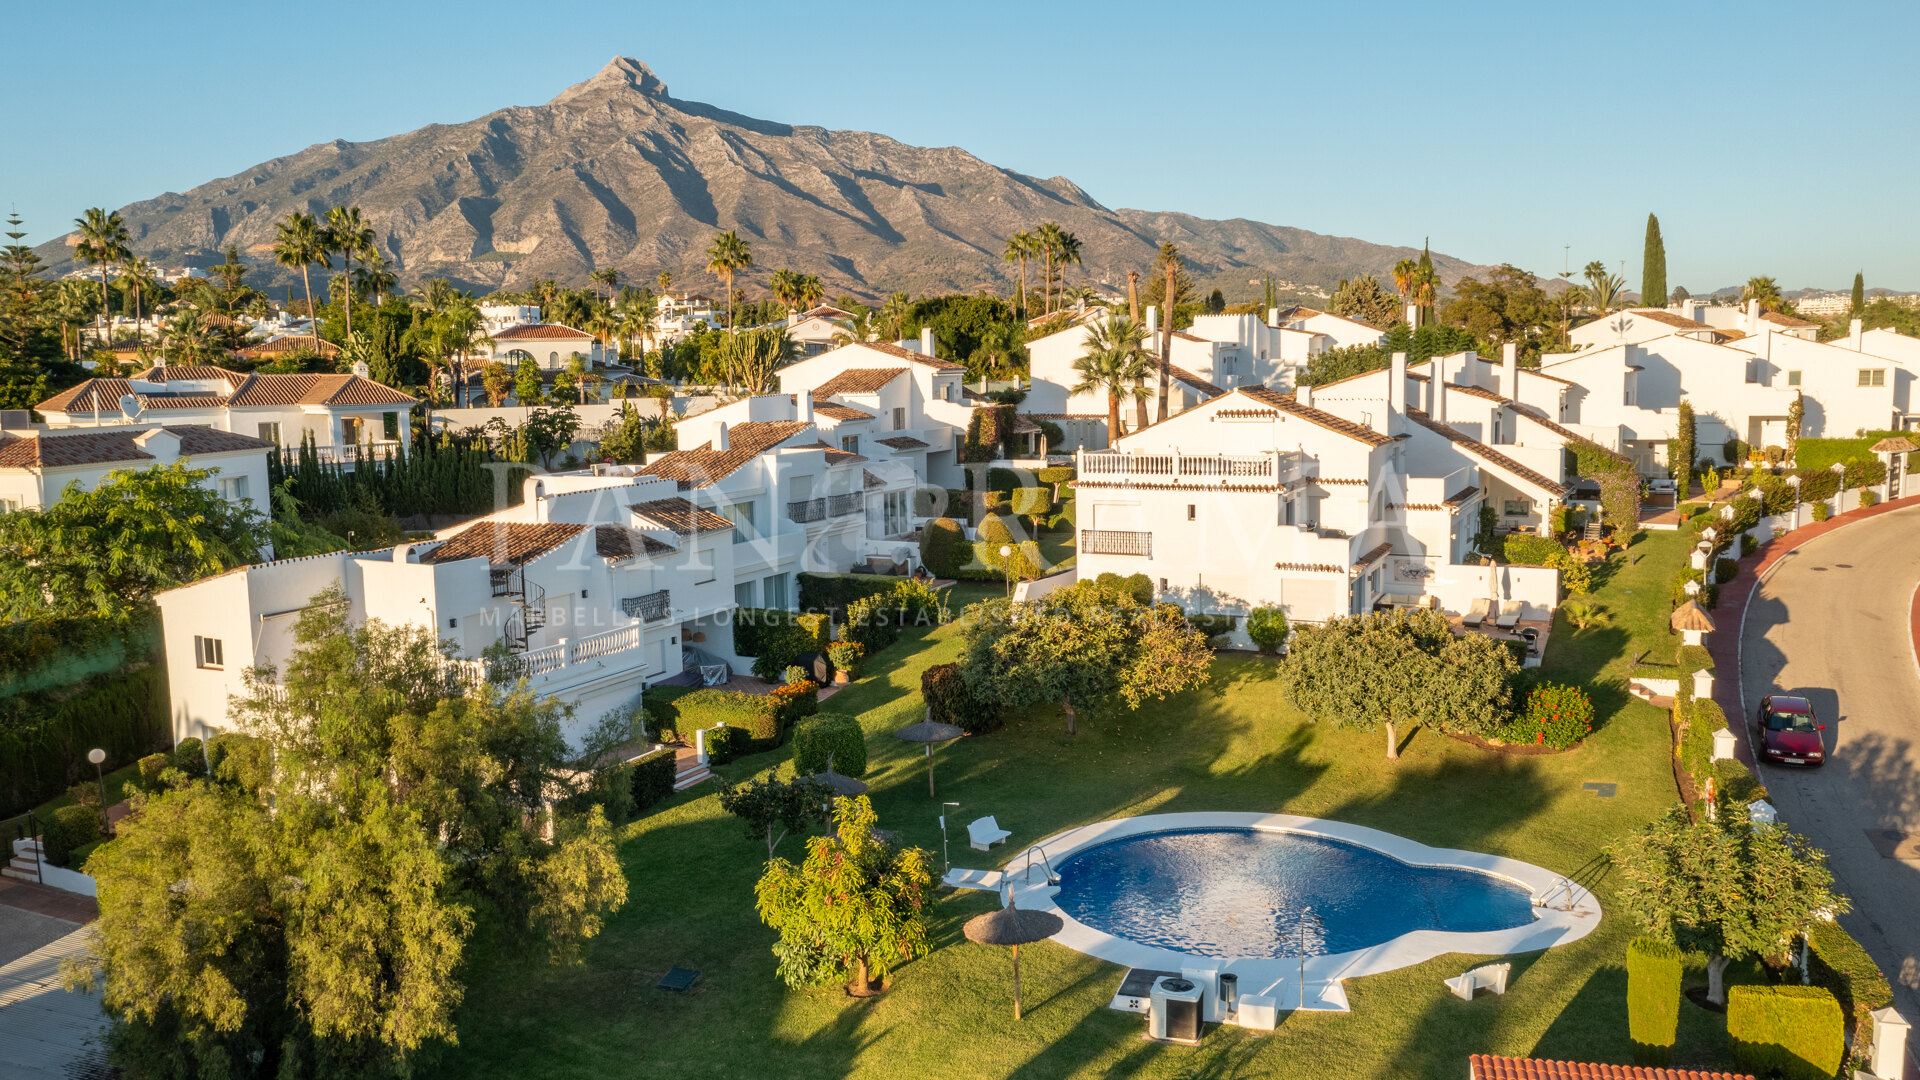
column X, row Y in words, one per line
column 305, row 910
column 1116, row 362
column 1398, row 668
column 853, row 911
column 105, row 553
column 549, row 431
column 1363, row 298
column 771, row 808
column 631, row 437
column 1859, row 303
column 1725, row 887
column 301, row 243
column 1680, row 293
column 1081, row 647
column 1653, row 266
column 497, row 379
column 528, row 383
column 1509, row 307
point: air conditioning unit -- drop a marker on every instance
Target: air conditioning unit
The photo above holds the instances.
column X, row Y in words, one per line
column 1175, row 1016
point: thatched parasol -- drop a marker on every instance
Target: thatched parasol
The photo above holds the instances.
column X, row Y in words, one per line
column 929, row 732
column 841, row 785
column 1894, row 444
column 1691, row 616
column 1012, row 927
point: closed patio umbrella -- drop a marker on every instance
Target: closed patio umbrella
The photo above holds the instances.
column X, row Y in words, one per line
column 1013, row 928
column 929, row 732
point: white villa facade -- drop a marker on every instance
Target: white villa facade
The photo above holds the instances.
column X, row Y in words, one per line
column 36, row 465
column 916, row 400
column 550, row 345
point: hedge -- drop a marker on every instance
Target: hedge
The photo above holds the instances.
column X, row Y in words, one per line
column 68, row 828
column 834, row 593
column 653, row 777
column 1725, row 570
column 944, row 550
column 1524, row 549
column 1138, row 586
column 1067, row 517
column 708, row 706
column 1032, row 502
column 47, row 653
column 656, row 702
column 1838, row 963
column 830, row 739
column 774, row 638
column 1026, row 562
column 1059, row 474
column 45, row 736
column 1795, row 1031
column 949, row 702
column 1653, row 999
column 1267, row 626
column 994, row 530
column 819, row 630
column 1212, row 625
column 725, row 743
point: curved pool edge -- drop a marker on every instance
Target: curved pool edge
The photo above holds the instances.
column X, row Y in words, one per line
column 1280, row 978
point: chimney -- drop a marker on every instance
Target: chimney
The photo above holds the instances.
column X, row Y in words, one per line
column 1396, row 393
column 926, row 341
column 1510, row 371
column 1413, row 315
column 1854, row 341
column 1153, row 320
column 1303, row 394
column 1273, row 316
column 1752, row 320
column 720, row 436
column 805, row 404
column 1437, row 394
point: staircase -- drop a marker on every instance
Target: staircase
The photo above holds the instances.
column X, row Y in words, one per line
column 1593, row 529
column 689, row 770
column 25, row 863
column 529, row 612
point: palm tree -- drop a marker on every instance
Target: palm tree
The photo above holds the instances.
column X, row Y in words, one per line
column 808, row 292
column 233, row 275
column 1404, row 272
column 303, row 243
column 1117, row 362
column 894, row 315
column 435, row 296
column 781, row 283
column 459, row 332
column 349, row 235
column 1170, row 264
column 608, row 276
column 997, row 353
column 602, row 324
column 728, row 255
column 853, row 330
column 103, row 243
column 72, row 309
column 637, row 318
column 1066, row 252
column 1019, row 246
column 186, row 336
column 665, row 278
column 1603, row 290
column 138, row 281
column 1765, row 290
column 1046, row 242
column 378, row 277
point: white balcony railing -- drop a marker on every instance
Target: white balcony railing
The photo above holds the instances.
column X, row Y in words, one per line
column 345, row 455
column 565, row 654
column 1115, row 542
column 1172, row 465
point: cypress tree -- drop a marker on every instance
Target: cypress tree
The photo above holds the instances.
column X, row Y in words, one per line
column 1859, row 293
column 1653, row 267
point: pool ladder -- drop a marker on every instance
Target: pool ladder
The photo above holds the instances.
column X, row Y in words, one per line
column 1564, row 885
column 1052, row 878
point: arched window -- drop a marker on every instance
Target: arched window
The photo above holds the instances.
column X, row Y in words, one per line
column 553, row 358
column 515, row 356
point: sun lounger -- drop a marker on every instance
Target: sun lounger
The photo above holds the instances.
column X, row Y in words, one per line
column 985, row 833
column 1509, row 614
column 1477, row 613
column 961, row 878
column 1490, row 977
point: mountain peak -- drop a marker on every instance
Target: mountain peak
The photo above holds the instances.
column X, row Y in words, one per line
column 621, row 73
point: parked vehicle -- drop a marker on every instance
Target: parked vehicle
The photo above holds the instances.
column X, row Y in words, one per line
column 1788, row 731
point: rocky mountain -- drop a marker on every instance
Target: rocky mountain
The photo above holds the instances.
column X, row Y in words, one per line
column 617, row 172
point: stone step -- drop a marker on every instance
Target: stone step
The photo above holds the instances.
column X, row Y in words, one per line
column 691, row 777
column 17, row 874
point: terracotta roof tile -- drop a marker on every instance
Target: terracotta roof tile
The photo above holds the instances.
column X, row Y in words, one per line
column 510, row 543
column 1793, row 321
column 858, row 381
column 833, row 410
column 191, row 373
column 1373, row 556
column 681, row 516
column 869, row 482
column 290, row 345
column 835, row 455
column 1310, row 568
column 1490, row 1067
column 1661, row 315
column 899, row 353
column 1487, row 454
column 903, row 442
column 1461, row 497
column 1196, row 381
column 617, row 542
column 1287, row 404
column 103, row 395
column 541, row 332
column 703, row 465
column 54, row 449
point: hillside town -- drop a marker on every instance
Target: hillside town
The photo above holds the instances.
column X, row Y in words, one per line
column 1424, row 673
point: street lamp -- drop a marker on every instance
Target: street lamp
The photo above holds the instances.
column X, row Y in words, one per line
column 1006, row 565
column 99, row 757
column 945, row 862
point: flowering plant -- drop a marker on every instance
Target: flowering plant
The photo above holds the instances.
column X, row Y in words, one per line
column 1556, row 716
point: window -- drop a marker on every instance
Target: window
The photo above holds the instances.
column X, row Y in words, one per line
column 741, row 514
column 233, row 488
column 207, row 652
column 774, row 591
column 553, row 358
column 391, row 426
column 271, row 433
column 743, row 594
column 352, row 428
column 1288, row 510
column 1873, row 376
column 1191, row 513
column 893, row 513
column 899, row 419
column 1515, row 507
column 8, row 506
column 850, row 443
column 1793, row 378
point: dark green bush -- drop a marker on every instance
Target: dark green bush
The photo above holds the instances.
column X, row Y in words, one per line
column 66, row 829
column 949, row 701
column 1055, row 436
column 1055, row 475
column 1523, row 549
column 726, row 743
column 1653, row 999
column 1734, row 450
column 944, row 549
column 653, row 776
column 775, row 639
column 1267, row 626
column 996, row 502
column 656, row 703
column 1837, row 962
column 1212, row 625
column 1750, row 544
column 190, row 757
column 834, row 593
column 1032, row 502
column 830, row 738
column 1138, row 586
column 45, row 735
column 1068, row 516
column 1725, row 570
column 150, row 767
column 1793, row 1031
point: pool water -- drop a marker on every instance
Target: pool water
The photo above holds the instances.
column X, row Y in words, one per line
column 1254, row 893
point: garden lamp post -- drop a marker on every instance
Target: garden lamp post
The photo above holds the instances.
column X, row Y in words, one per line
column 99, row 758
column 1006, row 566
column 945, row 862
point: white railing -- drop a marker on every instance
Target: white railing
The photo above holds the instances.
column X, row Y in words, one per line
column 613, row 641
column 567, row 653
column 1175, row 465
column 373, row 451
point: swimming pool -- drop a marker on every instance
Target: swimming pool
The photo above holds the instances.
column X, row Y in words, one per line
column 1226, row 892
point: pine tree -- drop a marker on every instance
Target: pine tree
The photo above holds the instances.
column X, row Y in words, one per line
column 1859, row 294
column 1653, row 267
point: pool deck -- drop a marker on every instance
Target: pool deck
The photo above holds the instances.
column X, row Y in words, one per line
column 1564, row 911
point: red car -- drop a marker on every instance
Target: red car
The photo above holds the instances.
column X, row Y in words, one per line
column 1789, row 732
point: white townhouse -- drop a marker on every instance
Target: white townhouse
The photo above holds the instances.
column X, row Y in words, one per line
column 1340, row 331
column 813, row 330
column 678, row 314
column 1258, row 498
column 919, row 407
column 797, row 501
column 1902, row 354
column 339, row 413
column 588, row 610
column 36, row 465
column 1690, row 318
column 550, row 345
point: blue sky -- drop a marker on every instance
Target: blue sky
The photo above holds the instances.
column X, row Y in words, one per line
column 1770, row 138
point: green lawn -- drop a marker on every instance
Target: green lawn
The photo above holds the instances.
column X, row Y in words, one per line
column 1235, row 745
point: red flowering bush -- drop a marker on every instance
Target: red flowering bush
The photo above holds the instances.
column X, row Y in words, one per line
column 1556, row 716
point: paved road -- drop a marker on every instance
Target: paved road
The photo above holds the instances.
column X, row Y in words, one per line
column 1832, row 624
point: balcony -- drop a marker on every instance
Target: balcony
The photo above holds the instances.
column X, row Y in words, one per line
column 566, row 654
column 653, row 607
column 806, row 511
column 852, row 502
column 1222, row 469
column 1115, row 542
column 349, row 453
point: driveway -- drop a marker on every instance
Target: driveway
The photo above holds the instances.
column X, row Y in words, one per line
column 1833, row 623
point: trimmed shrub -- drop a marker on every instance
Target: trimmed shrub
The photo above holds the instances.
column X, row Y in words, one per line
column 1750, row 544
column 725, row 743
column 1067, row 517
column 944, row 550
column 1007, row 481
column 653, row 776
column 793, row 703
column 1032, row 502
column 996, row 502
column 708, row 706
column 833, row 593
column 836, row 739
column 190, row 758
column 69, row 828
column 1725, row 570
column 994, row 530
column 1653, row 999
column 1026, row 561
column 1734, row 450
column 1869, row 498
column 1525, row 550
column 1793, row 1031
column 662, row 717
column 1212, row 625
column 949, row 701
column 1576, row 578
column 150, row 769
column 774, row 638
column 1837, row 962
column 1267, row 626
column 1554, row 715
column 1138, row 586
column 1821, row 511
column 1059, row 474
column 818, row 628
column 1692, row 658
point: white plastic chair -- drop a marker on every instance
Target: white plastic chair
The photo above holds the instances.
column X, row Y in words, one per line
column 985, row 833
